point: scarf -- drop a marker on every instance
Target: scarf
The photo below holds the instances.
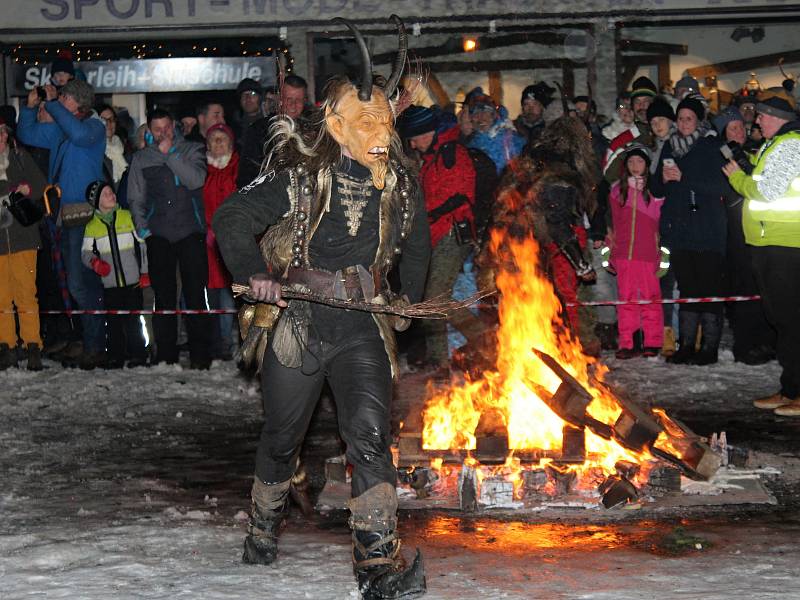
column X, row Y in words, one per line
column 108, row 217
column 4, row 165
column 681, row 144
column 220, row 162
column 659, row 146
column 115, row 152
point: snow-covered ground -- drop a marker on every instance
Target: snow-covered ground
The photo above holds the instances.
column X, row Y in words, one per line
column 134, row 484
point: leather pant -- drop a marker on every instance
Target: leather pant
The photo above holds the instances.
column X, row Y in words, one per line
column 359, row 375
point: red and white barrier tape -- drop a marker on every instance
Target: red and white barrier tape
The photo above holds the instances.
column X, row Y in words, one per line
column 233, row 311
column 182, row 311
column 667, row 301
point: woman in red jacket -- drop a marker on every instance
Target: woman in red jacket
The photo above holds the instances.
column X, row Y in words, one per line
column 223, row 166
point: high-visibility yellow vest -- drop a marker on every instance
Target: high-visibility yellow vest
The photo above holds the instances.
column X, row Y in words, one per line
column 771, row 217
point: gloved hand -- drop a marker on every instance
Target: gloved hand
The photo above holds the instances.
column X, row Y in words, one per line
column 100, row 266
column 143, row 233
column 144, row 280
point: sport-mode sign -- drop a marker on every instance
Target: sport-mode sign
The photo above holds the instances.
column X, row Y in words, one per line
column 152, row 75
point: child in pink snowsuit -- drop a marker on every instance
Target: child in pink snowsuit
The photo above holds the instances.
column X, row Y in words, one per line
column 635, row 254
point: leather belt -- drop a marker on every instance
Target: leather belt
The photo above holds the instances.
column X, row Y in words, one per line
column 351, row 283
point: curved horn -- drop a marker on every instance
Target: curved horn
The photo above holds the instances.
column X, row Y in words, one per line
column 780, row 66
column 365, row 88
column 564, row 104
column 400, row 60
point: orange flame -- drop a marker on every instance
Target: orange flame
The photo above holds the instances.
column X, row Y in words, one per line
column 529, row 314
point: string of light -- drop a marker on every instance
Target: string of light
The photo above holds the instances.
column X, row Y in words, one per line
column 36, row 54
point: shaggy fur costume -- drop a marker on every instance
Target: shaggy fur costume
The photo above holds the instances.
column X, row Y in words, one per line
column 310, row 156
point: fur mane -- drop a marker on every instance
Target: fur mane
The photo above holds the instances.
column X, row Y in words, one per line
column 306, row 140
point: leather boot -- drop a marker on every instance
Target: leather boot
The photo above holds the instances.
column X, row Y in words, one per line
column 688, row 323
column 668, row 347
column 8, row 357
column 269, row 510
column 380, row 570
column 712, row 333
column 34, row 357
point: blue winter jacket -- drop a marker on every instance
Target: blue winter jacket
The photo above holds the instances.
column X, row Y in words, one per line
column 501, row 143
column 77, row 147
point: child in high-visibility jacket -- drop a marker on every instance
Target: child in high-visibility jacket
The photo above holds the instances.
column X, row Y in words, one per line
column 112, row 249
column 635, row 254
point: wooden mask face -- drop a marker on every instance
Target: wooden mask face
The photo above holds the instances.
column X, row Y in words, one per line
column 364, row 130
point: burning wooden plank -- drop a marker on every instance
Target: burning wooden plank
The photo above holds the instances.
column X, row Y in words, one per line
column 468, row 488
column 617, row 490
column 563, row 478
column 573, row 445
column 635, row 428
column 570, row 400
column 664, row 479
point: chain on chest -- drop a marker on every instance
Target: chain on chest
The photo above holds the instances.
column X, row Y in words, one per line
column 307, row 202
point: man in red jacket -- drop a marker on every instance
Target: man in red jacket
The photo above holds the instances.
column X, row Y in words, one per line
column 447, row 179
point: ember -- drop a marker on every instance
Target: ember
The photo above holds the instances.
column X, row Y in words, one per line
column 545, row 406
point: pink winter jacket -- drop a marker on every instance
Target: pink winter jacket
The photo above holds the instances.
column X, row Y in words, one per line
column 635, row 232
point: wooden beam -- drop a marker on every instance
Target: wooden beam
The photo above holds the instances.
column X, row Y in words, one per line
column 743, row 65
column 568, row 80
column 453, row 45
column 628, row 71
column 496, row 87
column 457, row 66
column 621, row 85
column 436, row 88
column 643, row 59
column 653, row 47
column 662, row 65
column 591, row 68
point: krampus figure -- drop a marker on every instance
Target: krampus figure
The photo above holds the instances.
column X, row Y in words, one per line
column 339, row 205
column 545, row 194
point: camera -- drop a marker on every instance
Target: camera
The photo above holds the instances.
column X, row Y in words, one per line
column 464, row 233
column 733, row 151
column 40, row 91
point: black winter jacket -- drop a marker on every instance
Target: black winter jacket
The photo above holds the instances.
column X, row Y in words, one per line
column 693, row 216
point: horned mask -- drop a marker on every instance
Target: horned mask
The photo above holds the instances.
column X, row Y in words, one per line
column 360, row 116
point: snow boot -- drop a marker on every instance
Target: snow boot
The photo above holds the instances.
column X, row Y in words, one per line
column 34, row 357
column 711, row 324
column 668, row 347
column 380, row 570
column 8, row 357
column 689, row 322
column 268, row 512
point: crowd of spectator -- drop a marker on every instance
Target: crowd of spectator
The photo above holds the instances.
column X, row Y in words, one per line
column 128, row 217
column 123, row 224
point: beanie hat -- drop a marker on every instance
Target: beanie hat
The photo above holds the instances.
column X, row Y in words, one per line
column 688, row 82
column 81, row 91
column 727, row 116
column 62, row 64
column 539, row 91
column 415, row 121
column 777, row 102
column 643, row 86
column 93, row 192
column 745, row 98
column 693, row 104
column 223, row 128
column 660, row 108
column 249, row 85
column 636, row 149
